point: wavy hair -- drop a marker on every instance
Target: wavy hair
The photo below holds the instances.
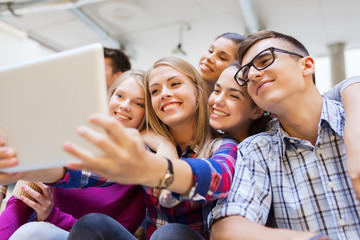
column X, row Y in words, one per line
column 201, row 123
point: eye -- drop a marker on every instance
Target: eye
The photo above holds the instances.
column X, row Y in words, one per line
column 154, row 92
column 119, row 95
column 142, row 105
column 234, row 96
column 210, row 50
column 263, row 60
column 174, row 84
column 217, row 91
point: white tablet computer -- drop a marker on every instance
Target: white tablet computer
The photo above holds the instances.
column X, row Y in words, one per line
column 43, row 102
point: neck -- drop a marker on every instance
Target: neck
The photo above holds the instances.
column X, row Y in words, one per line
column 182, row 136
column 241, row 133
column 300, row 116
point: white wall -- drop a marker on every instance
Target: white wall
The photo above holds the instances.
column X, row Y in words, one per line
column 323, row 73
column 15, row 47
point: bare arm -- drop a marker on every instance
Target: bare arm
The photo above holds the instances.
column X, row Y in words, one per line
column 238, row 228
column 126, row 159
column 351, row 98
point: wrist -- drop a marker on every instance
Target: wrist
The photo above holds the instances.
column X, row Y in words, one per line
column 168, row 178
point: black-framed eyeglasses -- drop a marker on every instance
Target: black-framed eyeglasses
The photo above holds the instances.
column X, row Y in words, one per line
column 261, row 61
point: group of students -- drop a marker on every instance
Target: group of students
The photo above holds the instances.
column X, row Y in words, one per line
column 175, row 130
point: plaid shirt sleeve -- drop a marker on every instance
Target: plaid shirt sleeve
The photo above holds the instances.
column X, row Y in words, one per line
column 250, row 194
column 81, row 179
column 213, row 176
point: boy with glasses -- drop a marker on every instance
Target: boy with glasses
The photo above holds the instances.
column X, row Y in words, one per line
column 292, row 177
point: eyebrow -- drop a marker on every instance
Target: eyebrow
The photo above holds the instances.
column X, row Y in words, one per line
column 122, row 91
column 223, row 52
column 167, row 80
column 231, row 89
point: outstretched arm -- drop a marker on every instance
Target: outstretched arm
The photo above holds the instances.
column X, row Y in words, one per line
column 126, row 159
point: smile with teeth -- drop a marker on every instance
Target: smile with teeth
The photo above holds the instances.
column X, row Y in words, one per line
column 170, row 107
column 119, row 115
column 220, row 113
column 205, row 67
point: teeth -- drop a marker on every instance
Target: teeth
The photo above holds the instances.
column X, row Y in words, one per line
column 122, row 116
column 171, row 106
column 220, row 113
column 205, row 67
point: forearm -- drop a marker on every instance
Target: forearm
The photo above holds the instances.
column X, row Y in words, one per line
column 350, row 98
column 47, row 175
column 238, row 228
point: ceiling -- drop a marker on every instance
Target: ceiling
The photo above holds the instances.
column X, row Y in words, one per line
column 150, row 29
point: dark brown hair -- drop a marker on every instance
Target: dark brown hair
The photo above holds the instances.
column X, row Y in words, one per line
column 119, row 60
column 253, row 38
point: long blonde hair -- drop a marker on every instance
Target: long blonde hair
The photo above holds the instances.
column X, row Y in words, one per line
column 139, row 77
column 201, row 123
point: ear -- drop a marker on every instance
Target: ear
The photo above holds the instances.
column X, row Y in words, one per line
column 117, row 75
column 308, row 65
column 258, row 113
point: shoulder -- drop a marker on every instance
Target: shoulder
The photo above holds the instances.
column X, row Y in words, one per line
column 263, row 146
column 229, row 140
column 332, row 109
column 271, row 135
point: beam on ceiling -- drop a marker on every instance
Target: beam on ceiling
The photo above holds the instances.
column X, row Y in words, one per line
column 251, row 19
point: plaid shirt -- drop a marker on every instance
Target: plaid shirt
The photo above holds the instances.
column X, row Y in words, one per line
column 212, row 178
column 305, row 187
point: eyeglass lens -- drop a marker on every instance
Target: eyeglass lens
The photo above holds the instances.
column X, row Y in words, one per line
column 260, row 62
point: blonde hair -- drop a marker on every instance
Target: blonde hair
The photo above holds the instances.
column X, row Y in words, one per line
column 139, row 77
column 201, row 123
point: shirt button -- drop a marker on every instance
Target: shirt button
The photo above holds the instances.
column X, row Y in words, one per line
column 331, row 185
column 342, row 222
column 319, row 151
column 332, row 137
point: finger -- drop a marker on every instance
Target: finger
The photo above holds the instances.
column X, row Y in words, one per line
column 111, row 125
column 7, row 152
column 108, row 146
column 9, row 162
column 33, row 193
column 2, row 142
column 46, row 190
column 31, row 203
column 88, row 161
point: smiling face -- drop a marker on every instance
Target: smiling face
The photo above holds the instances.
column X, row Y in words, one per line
column 127, row 104
column 278, row 83
column 173, row 97
column 219, row 55
column 231, row 107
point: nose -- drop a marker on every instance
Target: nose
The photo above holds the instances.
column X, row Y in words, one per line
column 165, row 93
column 209, row 56
column 220, row 99
column 125, row 105
column 254, row 74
